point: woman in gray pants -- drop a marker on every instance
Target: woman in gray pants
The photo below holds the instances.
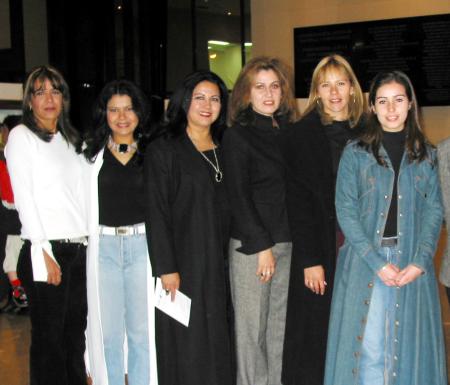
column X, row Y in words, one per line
column 262, row 106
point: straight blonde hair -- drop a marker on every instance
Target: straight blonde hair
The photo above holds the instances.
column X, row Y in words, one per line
column 356, row 106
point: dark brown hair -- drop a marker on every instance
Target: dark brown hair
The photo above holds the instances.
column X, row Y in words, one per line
column 416, row 143
column 40, row 75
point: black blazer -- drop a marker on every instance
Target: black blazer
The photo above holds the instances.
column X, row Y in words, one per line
column 255, row 176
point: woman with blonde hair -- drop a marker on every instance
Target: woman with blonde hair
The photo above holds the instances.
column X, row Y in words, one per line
column 312, row 151
column 262, row 106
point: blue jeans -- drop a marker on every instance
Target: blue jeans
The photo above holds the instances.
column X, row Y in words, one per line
column 377, row 345
column 123, row 306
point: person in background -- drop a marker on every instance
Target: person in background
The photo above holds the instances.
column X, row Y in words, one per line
column 443, row 153
column 11, row 225
column 385, row 324
column 312, row 149
column 262, row 105
column 120, row 284
column 188, row 218
column 47, row 180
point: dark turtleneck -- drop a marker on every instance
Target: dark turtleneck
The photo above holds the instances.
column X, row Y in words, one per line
column 338, row 134
column 394, row 144
column 254, row 174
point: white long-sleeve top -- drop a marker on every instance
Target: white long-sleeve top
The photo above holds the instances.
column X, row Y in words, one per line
column 47, row 182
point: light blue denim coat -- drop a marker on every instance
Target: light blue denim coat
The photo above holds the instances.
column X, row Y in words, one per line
column 363, row 196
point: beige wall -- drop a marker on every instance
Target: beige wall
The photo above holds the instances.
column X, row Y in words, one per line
column 273, row 22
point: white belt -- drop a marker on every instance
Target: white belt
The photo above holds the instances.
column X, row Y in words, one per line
column 123, row 230
column 82, row 240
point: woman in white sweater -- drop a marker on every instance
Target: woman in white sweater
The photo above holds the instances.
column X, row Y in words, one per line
column 47, row 180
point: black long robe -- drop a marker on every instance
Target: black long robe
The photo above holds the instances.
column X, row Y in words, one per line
column 184, row 233
column 312, row 220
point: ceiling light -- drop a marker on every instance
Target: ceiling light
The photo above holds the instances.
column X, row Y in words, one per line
column 218, row 42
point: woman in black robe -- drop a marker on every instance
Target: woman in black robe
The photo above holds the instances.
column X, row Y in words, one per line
column 188, row 215
column 312, row 151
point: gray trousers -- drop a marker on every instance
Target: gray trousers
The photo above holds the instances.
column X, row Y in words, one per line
column 260, row 315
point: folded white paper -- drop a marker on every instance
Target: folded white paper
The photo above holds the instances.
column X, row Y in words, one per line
column 179, row 309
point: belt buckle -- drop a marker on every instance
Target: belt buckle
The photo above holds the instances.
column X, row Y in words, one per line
column 122, row 231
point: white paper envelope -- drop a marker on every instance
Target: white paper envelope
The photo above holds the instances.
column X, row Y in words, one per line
column 179, row 309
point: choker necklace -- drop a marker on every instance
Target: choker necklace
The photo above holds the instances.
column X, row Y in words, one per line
column 219, row 174
column 122, row 148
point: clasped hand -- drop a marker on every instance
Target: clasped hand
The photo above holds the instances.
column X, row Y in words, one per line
column 391, row 275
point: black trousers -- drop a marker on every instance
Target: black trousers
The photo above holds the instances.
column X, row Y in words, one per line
column 58, row 317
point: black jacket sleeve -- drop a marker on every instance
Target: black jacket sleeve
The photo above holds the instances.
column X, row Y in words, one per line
column 160, row 189
column 237, row 159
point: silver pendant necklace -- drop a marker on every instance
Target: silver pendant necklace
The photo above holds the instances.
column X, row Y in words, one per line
column 121, row 148
column 219, row 175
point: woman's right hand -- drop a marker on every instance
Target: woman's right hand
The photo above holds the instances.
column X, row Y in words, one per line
column 266, row 265
column 315, row 279
column 388, row 274
column 53, row 270
column 170, row 283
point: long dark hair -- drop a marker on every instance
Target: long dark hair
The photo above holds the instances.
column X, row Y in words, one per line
column 175, row 121
column 416, row 143
column 97, row 136
column 64, row 126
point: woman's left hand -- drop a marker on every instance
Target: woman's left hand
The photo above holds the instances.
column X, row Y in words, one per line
column 266, row 265
column 408, row 275
column 315, row 279
column 53, row 270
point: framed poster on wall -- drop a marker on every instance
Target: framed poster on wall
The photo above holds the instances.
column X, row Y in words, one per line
column 418, row 46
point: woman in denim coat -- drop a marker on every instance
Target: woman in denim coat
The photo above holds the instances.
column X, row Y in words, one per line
column 385, row 325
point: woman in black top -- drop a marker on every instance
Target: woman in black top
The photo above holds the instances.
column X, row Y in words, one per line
column 262, row 104
column 188, row 217
column 119, row 274
column 312, row 150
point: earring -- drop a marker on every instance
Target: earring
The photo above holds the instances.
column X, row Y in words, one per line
column 317, row 101
column 354, row 99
